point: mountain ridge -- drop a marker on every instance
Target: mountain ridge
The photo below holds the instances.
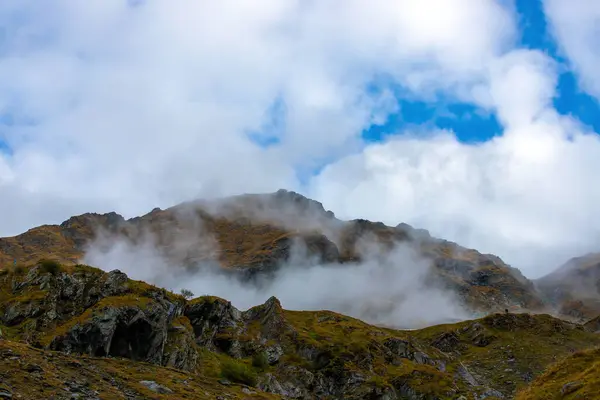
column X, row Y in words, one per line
column 114, row 337
column 256, row 233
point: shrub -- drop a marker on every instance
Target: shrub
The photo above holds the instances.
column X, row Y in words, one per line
column 260, row 361
column 188, row 294
column 50, row 266
column 18, row 269
column 238, row 372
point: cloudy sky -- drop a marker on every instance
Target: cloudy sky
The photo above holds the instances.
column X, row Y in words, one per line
column 475, row 119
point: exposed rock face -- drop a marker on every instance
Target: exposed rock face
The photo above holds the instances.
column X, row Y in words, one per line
column 127, row 331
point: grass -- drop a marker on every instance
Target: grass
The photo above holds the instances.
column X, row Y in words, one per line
column 51, row 267
column 574, row 377
column 260, row 361
column 111, row 378
column 519, row 345
column 239, row 372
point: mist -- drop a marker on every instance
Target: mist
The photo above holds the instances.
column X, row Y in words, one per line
column 388, row 288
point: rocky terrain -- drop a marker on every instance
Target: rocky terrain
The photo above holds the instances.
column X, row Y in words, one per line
column 574, row 288
column 79, row 332
column 69, row 330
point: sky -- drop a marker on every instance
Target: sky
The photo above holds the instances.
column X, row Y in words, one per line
column 475, row 119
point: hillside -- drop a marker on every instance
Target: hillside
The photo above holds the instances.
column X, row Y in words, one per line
column 110, row 334
column 574, row 377
column 253, row 235
column 574, row 288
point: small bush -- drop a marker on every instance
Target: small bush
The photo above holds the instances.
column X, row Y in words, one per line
column 188, row 294
column 50, row 266
column 238, row 372
column 260, row 361
column 18, row 269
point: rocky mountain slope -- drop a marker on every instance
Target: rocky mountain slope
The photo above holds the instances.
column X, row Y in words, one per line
column 253, row 235
column 69, row 330
column 73, row 331
column 574, row 288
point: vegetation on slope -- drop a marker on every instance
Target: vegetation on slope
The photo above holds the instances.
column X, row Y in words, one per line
column 30, row 374
column 82, row 310
column 508, row 350
column 574, row 377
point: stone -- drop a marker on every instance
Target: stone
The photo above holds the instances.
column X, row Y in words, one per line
column 570, row 387
column 155, row 387
column 274, row 353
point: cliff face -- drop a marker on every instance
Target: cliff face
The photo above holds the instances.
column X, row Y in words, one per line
column 254, row 235
column 141, row 341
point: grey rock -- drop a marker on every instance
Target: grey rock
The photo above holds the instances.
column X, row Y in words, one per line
column 570, row 387
column 115, row 283
column 463, row 372
column 127, row 331
column 490, row 393
column 273, row 353
column 155, row 387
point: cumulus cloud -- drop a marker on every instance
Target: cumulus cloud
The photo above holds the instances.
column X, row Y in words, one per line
column 115, row 105
column 527, row 195
column 574, row 24
column 156, row 100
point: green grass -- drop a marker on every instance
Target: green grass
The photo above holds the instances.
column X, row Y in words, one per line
column 238, row 372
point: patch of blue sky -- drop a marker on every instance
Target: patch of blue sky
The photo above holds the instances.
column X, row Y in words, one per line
column 570, row 99
column 273, row 126
column 471, row 124
column 6, row 120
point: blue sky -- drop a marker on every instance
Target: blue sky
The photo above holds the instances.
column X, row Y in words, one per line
column 473, row 125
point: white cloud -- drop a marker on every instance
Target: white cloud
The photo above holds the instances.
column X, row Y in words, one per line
column 121, row 108
column 388, row 288
column 575, row 25
column 528, row 196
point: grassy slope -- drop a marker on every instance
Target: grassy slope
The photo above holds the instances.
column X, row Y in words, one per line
column 575, row 377
column 509, row 350
column 501, row 351
column 32, row 374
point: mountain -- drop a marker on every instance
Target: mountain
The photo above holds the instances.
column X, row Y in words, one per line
column 574, row 288
column 78, row 332
column 69, row 330
column 251, row 236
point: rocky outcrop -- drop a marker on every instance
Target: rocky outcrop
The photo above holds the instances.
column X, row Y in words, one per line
column 215, row 324
column 180, row 350
column 116, row 329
